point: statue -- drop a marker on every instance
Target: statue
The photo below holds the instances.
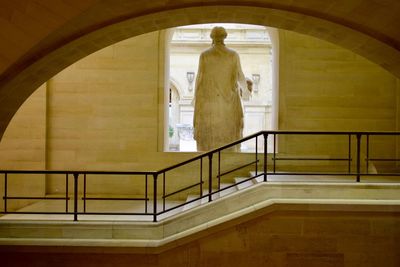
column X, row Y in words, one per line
column 218, row 111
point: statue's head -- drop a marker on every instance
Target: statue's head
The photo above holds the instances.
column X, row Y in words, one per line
column 218, row 34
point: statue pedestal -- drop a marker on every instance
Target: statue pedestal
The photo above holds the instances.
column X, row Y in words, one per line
column 186, row 141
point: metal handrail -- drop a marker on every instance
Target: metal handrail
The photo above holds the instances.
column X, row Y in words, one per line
column 203, row 180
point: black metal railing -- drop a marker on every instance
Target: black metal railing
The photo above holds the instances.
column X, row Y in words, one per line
column 212, row 167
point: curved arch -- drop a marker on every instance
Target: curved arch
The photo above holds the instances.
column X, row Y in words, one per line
column 18, row 83
column 176, row 85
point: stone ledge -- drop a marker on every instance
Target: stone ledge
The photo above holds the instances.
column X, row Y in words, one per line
column 236, row 208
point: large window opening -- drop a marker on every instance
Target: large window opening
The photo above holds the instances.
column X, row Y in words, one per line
column 258, row 59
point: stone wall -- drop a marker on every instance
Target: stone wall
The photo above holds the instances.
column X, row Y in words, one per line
column 282, row 238
column 23, row 146
column 296, row 239
column 324, row 87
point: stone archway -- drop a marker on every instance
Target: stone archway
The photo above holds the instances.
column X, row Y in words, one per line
column 17, row 84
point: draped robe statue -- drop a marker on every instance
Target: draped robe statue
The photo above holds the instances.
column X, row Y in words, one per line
column 218, row 111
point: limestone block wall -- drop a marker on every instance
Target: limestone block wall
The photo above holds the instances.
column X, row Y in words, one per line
column 23, row 146
column 282, row 238
column 296, row 239
column 103, row 109
column 325, row 87
column 103, row 112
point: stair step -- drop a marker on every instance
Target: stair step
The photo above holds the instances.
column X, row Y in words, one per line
column 244, row 184
column 227, row 191
column 194, row 203
column 205, row 199
column 302, row 178
column 257, row 180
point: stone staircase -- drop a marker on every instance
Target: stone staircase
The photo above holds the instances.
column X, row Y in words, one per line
column 237, row 183
column 240, row 183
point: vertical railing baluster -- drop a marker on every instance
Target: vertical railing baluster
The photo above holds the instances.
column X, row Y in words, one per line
column 219, row 169
column 210, row 156
column 349, row 156
column 155, row 197
column 145, row 194
column 5, row 191
column 265, row 155
column 84, row 193
column 274, row 154
column 367, row 159
column 358, row 156
column 66, row 193
column 76, row 175
column 201, row 177
column 256, row 155
column 163, row 191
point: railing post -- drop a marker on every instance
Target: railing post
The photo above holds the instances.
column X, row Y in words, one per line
column 145, row 194
column 66, row 192
column 76, row 175
column 219, row 169
column 256, row 155
column 358, row 156
column 367, row 159
column 155, row 197
column 84, row 193
column 265, row 155
column 349, row 156
column 5, row 192
column 274, row 154
column 163, row 193
column 201, row 177
column 210, row 177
